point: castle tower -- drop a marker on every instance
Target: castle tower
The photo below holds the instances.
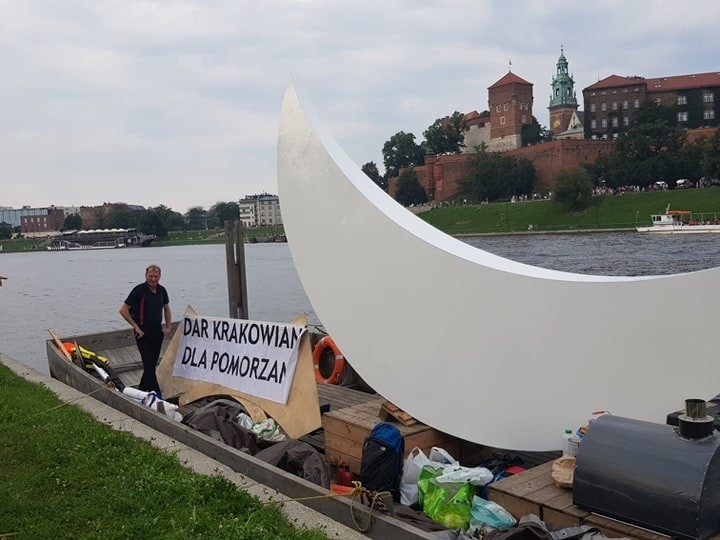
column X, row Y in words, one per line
column 510, row 102
column 563, row 102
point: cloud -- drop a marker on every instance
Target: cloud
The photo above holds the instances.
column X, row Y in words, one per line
column 177, row 102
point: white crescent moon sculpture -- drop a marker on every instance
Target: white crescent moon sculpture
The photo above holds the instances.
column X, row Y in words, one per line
column 475, row 345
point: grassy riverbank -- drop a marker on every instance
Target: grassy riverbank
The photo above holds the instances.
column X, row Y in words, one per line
column 64, row 475
column 616, row 212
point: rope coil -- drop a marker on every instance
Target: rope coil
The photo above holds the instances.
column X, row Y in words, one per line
column 375, row 501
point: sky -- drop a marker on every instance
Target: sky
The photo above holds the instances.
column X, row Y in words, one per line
column 177, row 102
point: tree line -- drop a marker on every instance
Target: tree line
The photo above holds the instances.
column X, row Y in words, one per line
column 446, row 136
column 158, row 220
column 655, row 148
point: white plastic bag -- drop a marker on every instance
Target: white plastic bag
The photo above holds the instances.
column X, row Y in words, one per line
column 457, row 474
column 441, row 456
column 414, row 463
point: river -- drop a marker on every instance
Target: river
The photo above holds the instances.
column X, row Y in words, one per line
column 79, row 292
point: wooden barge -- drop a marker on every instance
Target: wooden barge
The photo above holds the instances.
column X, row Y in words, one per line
column 348, row 416
column 120, row 350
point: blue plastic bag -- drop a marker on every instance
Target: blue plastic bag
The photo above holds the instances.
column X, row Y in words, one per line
column 483, row 512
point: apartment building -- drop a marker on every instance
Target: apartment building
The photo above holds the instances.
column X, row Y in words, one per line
column 260, row 210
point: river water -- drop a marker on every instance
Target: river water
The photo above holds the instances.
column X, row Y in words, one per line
column 81, row 292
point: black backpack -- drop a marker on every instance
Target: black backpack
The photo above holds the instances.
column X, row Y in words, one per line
column 381, row 464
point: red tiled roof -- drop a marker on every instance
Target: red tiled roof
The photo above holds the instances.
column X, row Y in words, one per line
column 615, row 81
column 680, row 82
column 509, row 78
column 475, row 115
column 659, row 84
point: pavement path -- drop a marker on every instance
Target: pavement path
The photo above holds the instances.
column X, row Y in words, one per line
column 295, row 512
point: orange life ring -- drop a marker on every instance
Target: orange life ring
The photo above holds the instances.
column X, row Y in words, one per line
column 338, row 367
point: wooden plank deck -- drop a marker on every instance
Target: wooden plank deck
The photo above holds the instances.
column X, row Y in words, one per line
column 535, row 492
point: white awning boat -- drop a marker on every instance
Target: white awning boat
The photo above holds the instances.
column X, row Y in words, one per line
column 682, row 222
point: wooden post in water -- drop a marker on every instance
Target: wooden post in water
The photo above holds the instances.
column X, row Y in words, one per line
column 236, row 277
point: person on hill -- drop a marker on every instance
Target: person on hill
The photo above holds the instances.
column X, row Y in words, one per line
column 144, row 309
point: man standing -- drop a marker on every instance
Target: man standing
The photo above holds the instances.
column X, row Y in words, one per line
column 144, row 309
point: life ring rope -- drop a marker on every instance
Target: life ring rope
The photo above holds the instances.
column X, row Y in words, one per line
column 327, row 343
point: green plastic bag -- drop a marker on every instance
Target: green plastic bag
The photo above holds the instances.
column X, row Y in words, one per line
column 447, row 504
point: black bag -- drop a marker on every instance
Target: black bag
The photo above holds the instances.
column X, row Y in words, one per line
column 381, row 463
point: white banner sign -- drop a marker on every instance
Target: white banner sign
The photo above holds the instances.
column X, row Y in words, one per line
column 258, row 358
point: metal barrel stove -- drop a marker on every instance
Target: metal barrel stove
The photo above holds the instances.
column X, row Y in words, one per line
column 656, row 476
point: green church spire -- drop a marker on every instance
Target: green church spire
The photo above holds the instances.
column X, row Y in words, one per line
column 563, row 85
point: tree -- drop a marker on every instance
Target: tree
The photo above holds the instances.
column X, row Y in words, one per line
column 409, row 191
column 494, row 176
column 371, row 170
column 532, row 133
column 573, row 188
column 221, row 212
column 153, row 221
column 653, row 149
column 6, row 231
column 196, row 218
column 710, row 161
column 446, row 135
column 121, row 216
column 72, row 221
column 400, row 152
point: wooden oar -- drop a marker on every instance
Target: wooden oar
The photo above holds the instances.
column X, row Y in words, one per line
column 59, row 345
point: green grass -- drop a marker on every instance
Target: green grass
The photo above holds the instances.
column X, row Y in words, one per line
column 214, row 236
column 620, row 211
column 64, row 475
column 23, row 244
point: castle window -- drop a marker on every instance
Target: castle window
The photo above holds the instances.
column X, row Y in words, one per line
column 604, row 123
column 709, row 114
column 626, row 121
column 657, row 101
column 497, row 108
column 682, row 116
column 625, row 104
column 614, row 105
column 614, row 122
column 504, row 106
column 502, row 120
column 682, row 99
column 708, row 96
column 523, row 119
column 636, row 104
column 592, row 107
column 593, row 124
column 603, row 106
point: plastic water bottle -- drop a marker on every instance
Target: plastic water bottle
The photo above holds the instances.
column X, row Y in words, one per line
column 567, row 435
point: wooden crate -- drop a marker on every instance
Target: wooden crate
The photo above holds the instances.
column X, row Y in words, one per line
column 346, row 430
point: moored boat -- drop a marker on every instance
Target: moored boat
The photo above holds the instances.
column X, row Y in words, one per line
column 99, row 239
column 120, row 352
column 682, row 222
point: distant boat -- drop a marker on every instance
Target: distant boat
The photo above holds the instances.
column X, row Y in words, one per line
column 682, row 222
column 99, row 239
